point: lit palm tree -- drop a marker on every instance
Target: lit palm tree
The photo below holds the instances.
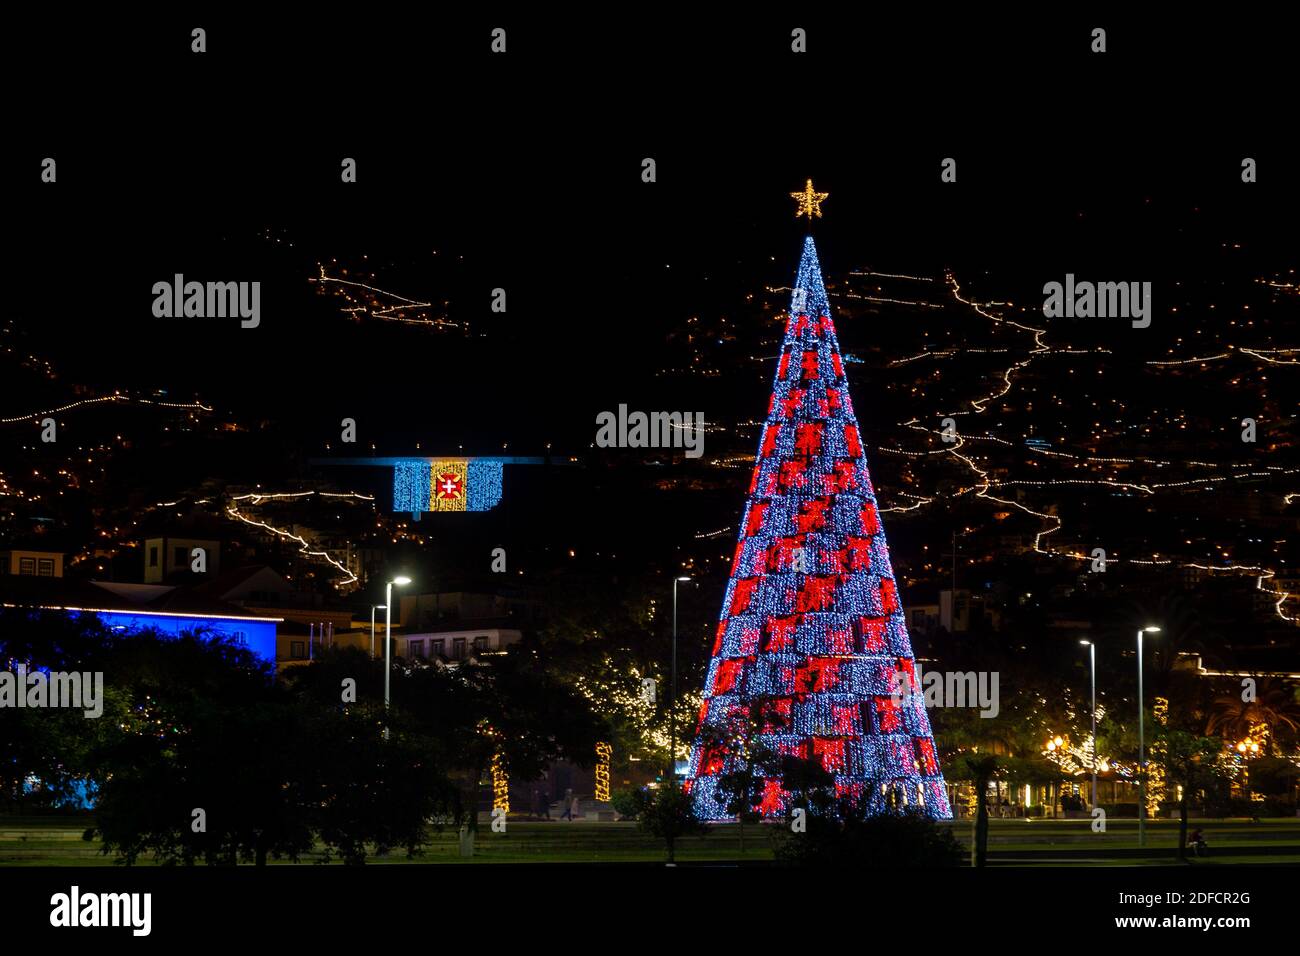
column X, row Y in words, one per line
column 1275, row 705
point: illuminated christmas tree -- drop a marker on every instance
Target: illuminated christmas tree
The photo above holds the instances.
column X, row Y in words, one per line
column 812, row 647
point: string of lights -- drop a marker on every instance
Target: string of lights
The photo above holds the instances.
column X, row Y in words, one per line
column 1263, row 355
column 304, row 547
column 1201, row 360
column 373, row 305
column 85, row 402
column 892, row 275
column 1052, row 522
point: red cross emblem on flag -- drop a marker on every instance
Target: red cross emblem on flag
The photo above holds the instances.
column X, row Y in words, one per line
column 449, row 486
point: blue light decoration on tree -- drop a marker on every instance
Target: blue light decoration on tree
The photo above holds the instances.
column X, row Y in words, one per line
column 812, row 644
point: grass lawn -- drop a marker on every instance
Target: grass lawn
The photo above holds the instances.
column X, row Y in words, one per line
column 56, row 840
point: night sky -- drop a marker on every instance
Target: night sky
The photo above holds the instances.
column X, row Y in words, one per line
column 525, row 174
column 600, row 272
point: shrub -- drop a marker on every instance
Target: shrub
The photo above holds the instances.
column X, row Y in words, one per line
column 629, row 804
column 669, row 814
column 904, row 838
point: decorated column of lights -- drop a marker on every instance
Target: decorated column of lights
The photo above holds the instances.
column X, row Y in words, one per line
column 1248, row 748
column 603, row 754
column 812, row 634
column 1156, row 758
column 1091, row 759
column 500, row 784
column 500, row 778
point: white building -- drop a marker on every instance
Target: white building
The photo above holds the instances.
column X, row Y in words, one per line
column 456, row 644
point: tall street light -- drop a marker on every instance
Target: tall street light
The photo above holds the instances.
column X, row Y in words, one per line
column 1092, row 667
column 373, row 608
column 1142, row 759
column 388, row 634
column 672, row 714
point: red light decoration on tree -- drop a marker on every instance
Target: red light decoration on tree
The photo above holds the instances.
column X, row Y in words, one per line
column 812, row 636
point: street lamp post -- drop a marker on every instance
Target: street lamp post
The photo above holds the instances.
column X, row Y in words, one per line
column 672, row 715
column 1092, row 667
column 388, row 634
column 373, row 608
column 1142, row 759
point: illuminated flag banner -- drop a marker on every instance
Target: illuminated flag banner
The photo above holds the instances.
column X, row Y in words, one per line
column 446, row 484
column 423, row 485
column 812, row 658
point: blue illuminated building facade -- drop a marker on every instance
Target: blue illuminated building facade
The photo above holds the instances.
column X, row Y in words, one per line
column 131, row 608
column 255, row 633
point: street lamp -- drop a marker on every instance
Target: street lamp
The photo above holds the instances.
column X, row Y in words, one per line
column 388, row 633
column 373, row 608
column 1092, row 667
column 672, row 716
column 1142, row 759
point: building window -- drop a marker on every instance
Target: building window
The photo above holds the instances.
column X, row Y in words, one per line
column 239, row 637
column 417, row 648
column 480, row 644
column 45, row 568
column 153, row 556
column 27, row 566
column 297, row 650
column 458, row 648
column 438, row 648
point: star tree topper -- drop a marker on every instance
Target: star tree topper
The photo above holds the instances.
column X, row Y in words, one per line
column 810, row 202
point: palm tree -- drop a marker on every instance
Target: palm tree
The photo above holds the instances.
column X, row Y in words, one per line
column 1181, row 629
column 982, row 767
column 1275, row 705
column 972, row 747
